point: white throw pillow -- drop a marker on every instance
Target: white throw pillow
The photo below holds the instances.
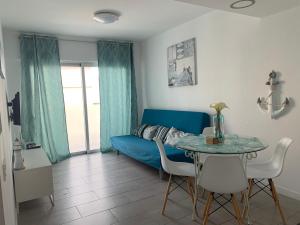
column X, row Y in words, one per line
column 173, row 136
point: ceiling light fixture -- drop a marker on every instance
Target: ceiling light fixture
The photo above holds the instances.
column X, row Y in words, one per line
column 106, row 16
column 241, row 4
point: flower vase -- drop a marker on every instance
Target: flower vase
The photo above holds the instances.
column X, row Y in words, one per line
column 218, row 123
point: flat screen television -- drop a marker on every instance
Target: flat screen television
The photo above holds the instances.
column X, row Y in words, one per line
column 15, row 109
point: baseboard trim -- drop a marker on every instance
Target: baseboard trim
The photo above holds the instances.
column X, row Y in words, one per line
column 286, row 192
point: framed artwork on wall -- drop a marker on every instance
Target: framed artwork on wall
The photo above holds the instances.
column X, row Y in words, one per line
column 182, row 64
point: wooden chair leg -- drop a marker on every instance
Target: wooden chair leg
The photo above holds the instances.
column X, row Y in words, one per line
column 207, row 207
column 251, row 181
column 271, row 188
column 166, row 195
column 191, row 181
column 246, row 204
column 237, row 210
column 191, row 192
column 250, row 187
column 276, row 199
column 242, row 198
column 190, row 189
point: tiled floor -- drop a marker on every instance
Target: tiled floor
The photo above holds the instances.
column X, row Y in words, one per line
column 106, row 189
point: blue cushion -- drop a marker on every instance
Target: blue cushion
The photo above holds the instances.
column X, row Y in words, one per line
column 191, row 122
column 146, row 151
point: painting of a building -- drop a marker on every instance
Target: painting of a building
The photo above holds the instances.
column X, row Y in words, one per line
column 182, row 63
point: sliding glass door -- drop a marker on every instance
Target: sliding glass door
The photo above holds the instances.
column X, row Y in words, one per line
column 82, row 106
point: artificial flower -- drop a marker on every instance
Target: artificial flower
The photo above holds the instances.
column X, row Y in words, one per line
column 219, row 106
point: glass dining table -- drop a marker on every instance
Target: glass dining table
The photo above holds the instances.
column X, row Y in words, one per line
column 195, row 147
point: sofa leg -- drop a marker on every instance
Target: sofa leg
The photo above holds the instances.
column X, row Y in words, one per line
column 118, row 152
column 161, row 173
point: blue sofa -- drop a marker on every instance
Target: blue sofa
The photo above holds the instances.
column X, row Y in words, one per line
column 146, row 151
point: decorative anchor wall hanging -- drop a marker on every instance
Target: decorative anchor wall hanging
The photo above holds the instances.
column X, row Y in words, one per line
column 271, row 104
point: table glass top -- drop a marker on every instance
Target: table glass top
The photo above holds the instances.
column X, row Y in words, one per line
column 233, row 144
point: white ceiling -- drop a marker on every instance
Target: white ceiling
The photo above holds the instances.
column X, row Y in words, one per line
column 140, row 18
column 261, row 8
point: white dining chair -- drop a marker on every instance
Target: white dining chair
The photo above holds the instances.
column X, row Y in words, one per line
column 268, row 170
column 181, row 169
column 223, row 175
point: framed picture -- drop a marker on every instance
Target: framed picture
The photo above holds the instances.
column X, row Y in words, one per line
column 182, row 64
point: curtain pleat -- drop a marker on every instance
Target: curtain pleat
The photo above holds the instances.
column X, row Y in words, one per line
column 118, row 99
column 42, row 103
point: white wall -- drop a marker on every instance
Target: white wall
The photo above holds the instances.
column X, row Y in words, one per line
column 6, row 178
column 1, row 207
column 78, row 51
column 235, row 54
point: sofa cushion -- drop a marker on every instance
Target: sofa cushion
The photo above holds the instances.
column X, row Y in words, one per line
column 173, row 136
column 161, row 133
column 140, row 130
column 146, row 151
column 149, row 132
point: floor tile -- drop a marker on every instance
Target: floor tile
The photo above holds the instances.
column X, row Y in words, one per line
column 51, row 218
column 106, row 189
column 102, row 204
column 103, row 218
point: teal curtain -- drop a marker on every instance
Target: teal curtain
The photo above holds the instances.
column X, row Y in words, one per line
column 42, row 103
column 118, row 109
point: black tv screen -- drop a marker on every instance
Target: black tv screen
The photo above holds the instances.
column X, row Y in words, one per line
column 15, row 104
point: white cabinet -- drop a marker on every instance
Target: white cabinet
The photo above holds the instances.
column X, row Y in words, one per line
column 36, row 179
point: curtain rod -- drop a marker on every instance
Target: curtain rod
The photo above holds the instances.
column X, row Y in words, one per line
column 74, row 40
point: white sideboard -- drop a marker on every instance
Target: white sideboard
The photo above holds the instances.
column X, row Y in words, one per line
column 36, row 180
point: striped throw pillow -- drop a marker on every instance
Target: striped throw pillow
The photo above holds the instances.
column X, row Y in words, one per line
column 140, row 130
column 161, row 133
column 149, row 132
